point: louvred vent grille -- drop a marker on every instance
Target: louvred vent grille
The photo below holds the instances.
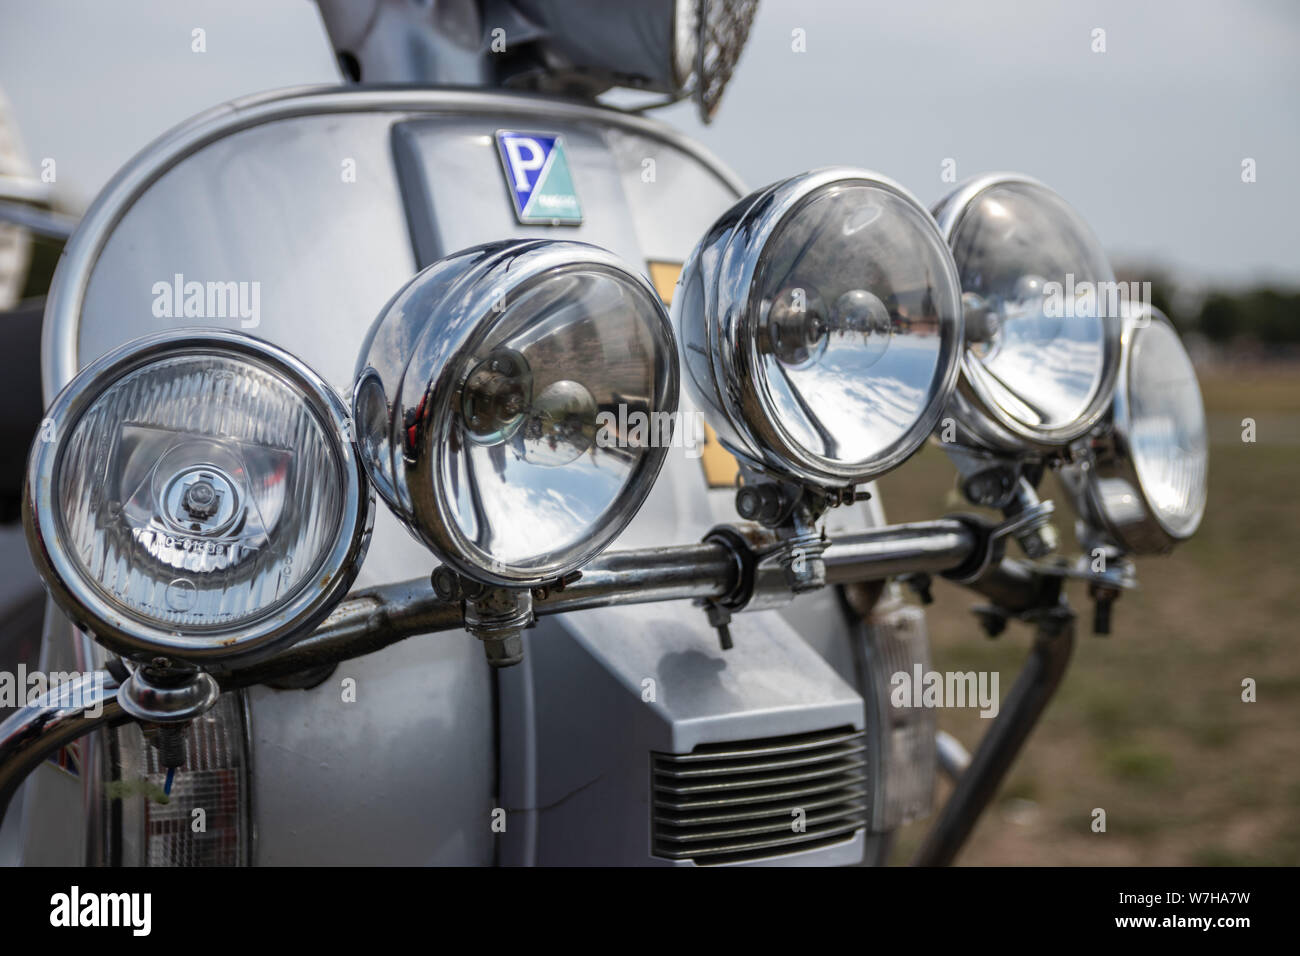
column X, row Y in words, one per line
column 725, row 803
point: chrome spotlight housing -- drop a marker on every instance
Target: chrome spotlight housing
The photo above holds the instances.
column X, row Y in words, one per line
column 1144, row 484
column 196, row 496
column 1042, row 346
column 497, row 400
column 820, row 326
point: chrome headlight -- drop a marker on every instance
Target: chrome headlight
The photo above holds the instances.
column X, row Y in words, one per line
column 820, row 326
column 514, row 404
column 196, row 495
column 1042, row 338
column 1145, row 484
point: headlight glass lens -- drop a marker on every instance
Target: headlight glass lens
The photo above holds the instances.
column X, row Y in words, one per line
column 1167, row 436
column 515, row 402
column 1042, row 347
column 854, row 317
column 200, row 492
column 554, row 418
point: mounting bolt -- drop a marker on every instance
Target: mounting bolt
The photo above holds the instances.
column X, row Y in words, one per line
column 760, row 502
column 446, row 583
column 720, row 618
column 748, row 503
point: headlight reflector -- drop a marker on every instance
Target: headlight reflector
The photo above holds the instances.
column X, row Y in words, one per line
column 1042, row 346
column 491, row 398
column 196, row 496
column 820, row 325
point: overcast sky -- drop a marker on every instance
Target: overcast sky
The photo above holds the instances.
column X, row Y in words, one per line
column 1147, row 139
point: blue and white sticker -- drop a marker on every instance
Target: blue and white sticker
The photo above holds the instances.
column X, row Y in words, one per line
column 537, row 172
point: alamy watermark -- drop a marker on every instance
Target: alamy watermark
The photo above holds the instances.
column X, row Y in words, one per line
column 1088, row 299
column 182, row 299
column 82, row 690
column 923, row 688
column 635, row 428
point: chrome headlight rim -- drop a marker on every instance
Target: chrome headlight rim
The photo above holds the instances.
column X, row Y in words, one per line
column 1145, row 530
column 749, row 414
column 461, row 317
column 127, row 634
column 979, row 412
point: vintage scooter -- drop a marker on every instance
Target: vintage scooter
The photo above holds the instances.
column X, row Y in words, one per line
column 378, row 527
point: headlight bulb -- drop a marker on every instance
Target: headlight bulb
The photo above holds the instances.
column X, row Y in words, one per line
column 861, row 321
column 796, row 327
column 560, row 426
column 496, row 394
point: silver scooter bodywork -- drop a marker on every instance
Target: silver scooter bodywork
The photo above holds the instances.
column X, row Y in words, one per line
column 420, row 754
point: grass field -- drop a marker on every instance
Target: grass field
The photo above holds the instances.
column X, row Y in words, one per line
column 1150, row 724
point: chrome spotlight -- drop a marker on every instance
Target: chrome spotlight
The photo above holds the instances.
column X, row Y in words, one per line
column 820, row 326
column 1144, row 484
column 1042, row 333
column 514, row 403
column 819, row 322
column 195, row 496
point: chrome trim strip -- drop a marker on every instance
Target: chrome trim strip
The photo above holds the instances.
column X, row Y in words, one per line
column 68, row 290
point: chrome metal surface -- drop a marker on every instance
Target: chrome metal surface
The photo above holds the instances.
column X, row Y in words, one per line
column 156, row 696
column 1027, row 378
column 1143, row 480
column 819, row 324
column 481, row 400
column 375, row 618
column 744, row 800
column 928, row 546
column 371, row 620
column 64, row 714
column 131, row 633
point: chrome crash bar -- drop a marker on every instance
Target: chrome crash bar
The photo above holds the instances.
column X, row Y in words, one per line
column 721, row 569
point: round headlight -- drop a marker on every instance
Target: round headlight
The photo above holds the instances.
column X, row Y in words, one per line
column 1146, row 482
column 1042, row 335
column 196, row 495
column 515, row 402
column 820, row 325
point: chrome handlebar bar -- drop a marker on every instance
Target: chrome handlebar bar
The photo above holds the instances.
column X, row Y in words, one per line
column 378, row 617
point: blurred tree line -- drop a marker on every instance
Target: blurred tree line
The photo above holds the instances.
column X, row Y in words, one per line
column 1263, row 314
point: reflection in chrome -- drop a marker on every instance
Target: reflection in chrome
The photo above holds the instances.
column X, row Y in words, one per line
column 481, row 389
column 1143, row 485
column 1029, row 373
column 820, row 326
